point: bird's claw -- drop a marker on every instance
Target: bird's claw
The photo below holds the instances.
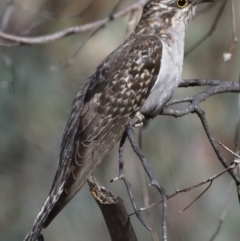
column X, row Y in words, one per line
column 140, row 118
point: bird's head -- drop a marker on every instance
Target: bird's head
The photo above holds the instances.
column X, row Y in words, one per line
column 179, row 10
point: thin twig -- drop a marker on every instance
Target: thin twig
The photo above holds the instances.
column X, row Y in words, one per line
column 114, row 9
column 121, row 176
column 51, row 16
column 181, row 100
column 189, row 205
column 210, row 32
column 236, row 153
column 199, row 82
column 226, row 148
column 220, row 156
column 234, row 28
column 223, row 87
column 70, row 61
column 186, row 190
column 33, row 26
column 146, row 194
column 153, row 180
column 47, row 16
column 69, row 31
column 194, row 108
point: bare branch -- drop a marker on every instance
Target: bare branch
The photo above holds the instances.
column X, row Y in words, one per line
column 186, row 190
column 188, row 206
column 199, row 82
column 69, row 31
column 114, row 212
column 224, row 87
column 146, row 198
column 193, row 107
column 121, row 176
column 226, row 148
column 220, row 156
column 149, row 172
column 236, row 153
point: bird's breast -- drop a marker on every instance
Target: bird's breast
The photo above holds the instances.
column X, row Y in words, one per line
column 168, row 78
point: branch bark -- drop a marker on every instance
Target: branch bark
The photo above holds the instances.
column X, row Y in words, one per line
column 114, row 212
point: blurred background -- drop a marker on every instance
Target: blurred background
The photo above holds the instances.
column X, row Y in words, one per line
column 35, row 101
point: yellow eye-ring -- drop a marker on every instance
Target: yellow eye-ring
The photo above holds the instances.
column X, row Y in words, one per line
column 182, row 3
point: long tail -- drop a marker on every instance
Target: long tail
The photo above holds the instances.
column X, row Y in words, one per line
column 89, row 136
column 38, row 224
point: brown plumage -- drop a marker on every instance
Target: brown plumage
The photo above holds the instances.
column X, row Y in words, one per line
column 101, row 112
column 102, row 108
column 131, row 79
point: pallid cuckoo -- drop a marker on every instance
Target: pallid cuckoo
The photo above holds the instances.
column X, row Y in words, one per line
column 140, row 76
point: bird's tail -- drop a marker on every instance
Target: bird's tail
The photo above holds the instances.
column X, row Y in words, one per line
column 37, row 226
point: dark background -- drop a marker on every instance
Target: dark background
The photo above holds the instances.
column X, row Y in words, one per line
column 34, row 112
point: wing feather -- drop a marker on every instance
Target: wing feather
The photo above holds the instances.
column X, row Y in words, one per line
column 104, row 105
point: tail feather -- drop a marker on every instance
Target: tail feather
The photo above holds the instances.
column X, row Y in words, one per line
column 36, row 229
column 38, row 224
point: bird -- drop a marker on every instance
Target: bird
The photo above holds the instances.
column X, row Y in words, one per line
column 136, row 79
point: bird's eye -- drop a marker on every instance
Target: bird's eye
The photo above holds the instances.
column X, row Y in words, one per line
column 182, row 3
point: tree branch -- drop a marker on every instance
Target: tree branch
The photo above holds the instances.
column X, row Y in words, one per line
column 193, row 107
column 69, row 31
column 114, row 212
column 211, row 30
column 222, row 87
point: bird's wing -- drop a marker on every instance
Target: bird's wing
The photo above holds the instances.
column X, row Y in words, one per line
column 111, row 97
column 102, row 108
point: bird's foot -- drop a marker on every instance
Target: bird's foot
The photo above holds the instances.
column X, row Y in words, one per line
column 40, row 238
column 141, row 119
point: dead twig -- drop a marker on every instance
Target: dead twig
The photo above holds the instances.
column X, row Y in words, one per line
column 186, row 190
column 114, row 212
